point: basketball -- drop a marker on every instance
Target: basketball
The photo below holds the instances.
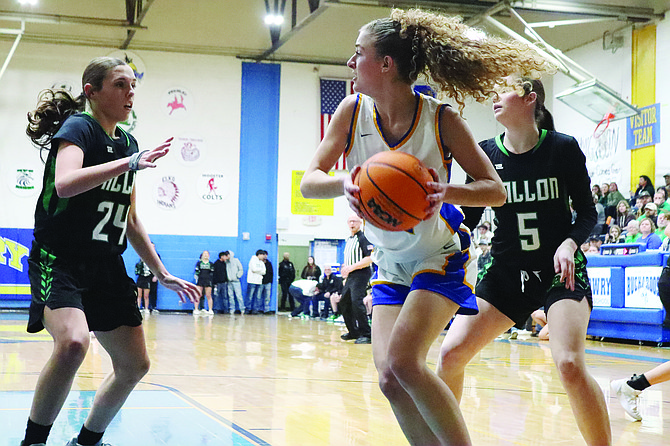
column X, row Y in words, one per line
column 393, row 190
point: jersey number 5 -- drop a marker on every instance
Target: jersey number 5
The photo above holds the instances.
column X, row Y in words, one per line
column 119, row 221
column 524, row 232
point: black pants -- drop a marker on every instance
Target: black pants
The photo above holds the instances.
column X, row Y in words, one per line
column 285, row 295
column 351, row 305
column 664, row 293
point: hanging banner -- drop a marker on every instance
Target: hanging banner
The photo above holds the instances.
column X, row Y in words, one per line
column 644, row 129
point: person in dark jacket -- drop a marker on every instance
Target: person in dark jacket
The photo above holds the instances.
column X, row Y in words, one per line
column 220, row 282
column 268, row 277
column 286, row 278
column 329, row 284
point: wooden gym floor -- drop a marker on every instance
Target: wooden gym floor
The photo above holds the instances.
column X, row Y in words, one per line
column 270, row 380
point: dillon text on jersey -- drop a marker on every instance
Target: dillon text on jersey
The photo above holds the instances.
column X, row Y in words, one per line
column 525, row 191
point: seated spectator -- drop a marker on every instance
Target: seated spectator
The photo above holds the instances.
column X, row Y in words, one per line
column 540, row 318
column 614, row 235
column 601, row 226
column 649, row 211
column 302, row 291
column 649, row 239
column 593, row 250
column 632, row 232
column 645, row 186
column 661, row 223
column 641, row 201
column 330, row 284
column 484, row 259
column 483, row 232
column 661, row 199
column 624, row 214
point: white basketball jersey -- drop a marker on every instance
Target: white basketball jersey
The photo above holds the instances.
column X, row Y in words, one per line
column 424, row 142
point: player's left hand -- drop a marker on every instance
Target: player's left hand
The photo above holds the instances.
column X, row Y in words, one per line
column 564, row 263
column 187, row 291
column 147, row 160
column 437, row 197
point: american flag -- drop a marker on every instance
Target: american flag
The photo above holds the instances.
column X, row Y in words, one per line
column 332, row 93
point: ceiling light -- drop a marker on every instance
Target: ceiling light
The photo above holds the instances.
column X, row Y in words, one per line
column 475, row 34
column 274, row 19
column 28, row 2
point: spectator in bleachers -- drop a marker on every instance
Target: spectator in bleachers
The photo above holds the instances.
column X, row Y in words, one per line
column 601, row 225
column 632, row 231
column 661, row 223
column 330, row 284
column 614, row 235
column 649, row 239
column 641, row 201
column 614, row 196
column 644, row 185
column 623, row 214
column 595, row 190
column 605, row 191
column 648, row 211
column 483, row 232
column 311, row 271
column 660, row 200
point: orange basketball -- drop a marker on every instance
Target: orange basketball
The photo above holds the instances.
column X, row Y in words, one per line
column 393, row 190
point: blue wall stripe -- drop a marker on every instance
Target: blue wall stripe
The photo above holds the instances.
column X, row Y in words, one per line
column 259, row 160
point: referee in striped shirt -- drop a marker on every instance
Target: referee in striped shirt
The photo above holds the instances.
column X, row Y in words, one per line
column 357, row 273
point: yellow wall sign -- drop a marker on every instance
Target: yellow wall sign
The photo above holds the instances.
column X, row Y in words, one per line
column 307, row 206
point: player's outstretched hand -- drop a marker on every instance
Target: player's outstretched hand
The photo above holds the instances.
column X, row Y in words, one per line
column 187, row 291
column 148, row 158
column 437, row 195
column 351, row 191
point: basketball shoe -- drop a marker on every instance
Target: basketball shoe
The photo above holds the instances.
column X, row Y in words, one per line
column 628, row 397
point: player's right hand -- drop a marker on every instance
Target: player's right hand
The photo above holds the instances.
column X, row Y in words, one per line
column 187, row 291
column 352, row 192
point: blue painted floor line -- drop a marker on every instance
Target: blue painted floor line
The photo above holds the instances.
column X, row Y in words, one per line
column 149, row 418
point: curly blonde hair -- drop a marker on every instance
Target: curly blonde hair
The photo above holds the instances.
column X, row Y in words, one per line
column 438, row 46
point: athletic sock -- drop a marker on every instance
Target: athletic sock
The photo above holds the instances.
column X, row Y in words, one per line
column 36, row 433
column 89, row 438
column 638, row 382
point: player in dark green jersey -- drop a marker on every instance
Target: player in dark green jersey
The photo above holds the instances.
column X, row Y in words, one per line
column 536, row 257
column 83, row 216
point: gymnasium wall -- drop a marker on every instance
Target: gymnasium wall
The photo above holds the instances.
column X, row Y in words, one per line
column 253, row 162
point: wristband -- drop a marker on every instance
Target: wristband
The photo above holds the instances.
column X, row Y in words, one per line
column 133, row 163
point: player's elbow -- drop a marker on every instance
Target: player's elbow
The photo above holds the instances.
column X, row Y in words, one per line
column 498, row 195
column 307, row 187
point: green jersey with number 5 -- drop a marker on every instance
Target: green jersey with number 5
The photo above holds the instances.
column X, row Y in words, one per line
column 540, row 184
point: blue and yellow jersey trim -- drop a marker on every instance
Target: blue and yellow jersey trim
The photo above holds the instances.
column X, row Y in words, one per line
column 352, row 125
column 444, row 151
column 410, row 132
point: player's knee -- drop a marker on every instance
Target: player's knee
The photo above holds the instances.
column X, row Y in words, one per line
column 389, row 384
column 134, row 370
column 453, row 359
column 570, row 368
column 72, row 349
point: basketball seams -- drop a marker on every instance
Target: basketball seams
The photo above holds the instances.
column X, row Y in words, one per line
column 399, row 169
column 386, row 195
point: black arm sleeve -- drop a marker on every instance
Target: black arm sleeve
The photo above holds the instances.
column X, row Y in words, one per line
column 472, row 214
column 579, row 190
